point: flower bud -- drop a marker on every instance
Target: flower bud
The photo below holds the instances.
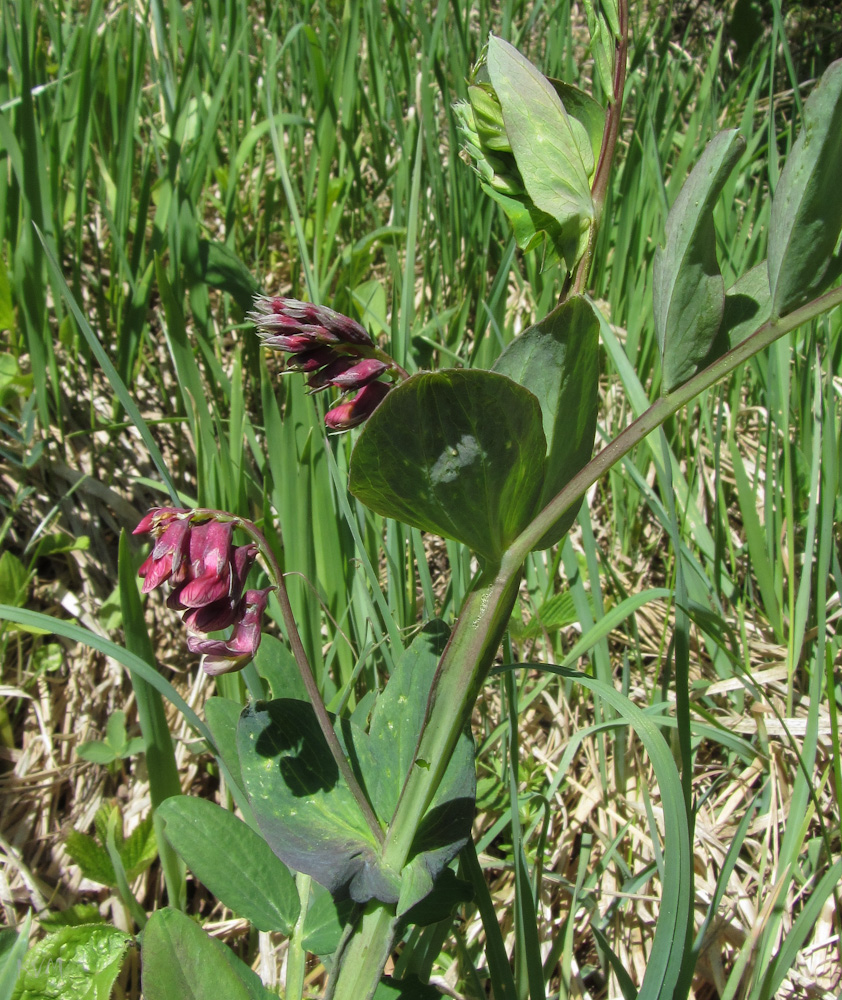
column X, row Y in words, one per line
column 359, row 375
column 278, row 319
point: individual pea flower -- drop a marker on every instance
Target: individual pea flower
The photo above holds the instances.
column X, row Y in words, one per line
column 194, row 551
column 359, row 409
column 222, row 656
column 333, row 350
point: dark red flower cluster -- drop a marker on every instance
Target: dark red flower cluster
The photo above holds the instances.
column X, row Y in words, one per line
column 208, row 572
column 332, row 349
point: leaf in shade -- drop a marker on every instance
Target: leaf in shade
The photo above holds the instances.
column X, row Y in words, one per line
column 456, row 452
column 806, row 217
column 689, row 293
column 557, row 360
column 748, row 304
column 325, row 921
column 553, row 150
column 304, row 808
column 232, row 861
column 306, row 811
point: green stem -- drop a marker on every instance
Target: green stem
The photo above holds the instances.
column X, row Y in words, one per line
column 607, row 152
column 660, row 411
column 303, row 664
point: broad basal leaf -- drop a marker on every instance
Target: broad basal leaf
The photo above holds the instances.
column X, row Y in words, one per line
column 557, row 360
column 688, row 287
column 304, row 808
column 806, row 217
column 456, row 452
column 306, row 811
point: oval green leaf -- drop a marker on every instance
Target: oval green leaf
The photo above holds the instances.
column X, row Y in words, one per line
column 553, row 151
column 557, row 360
column 232, row 861
column 456, row 452
column 178, row 959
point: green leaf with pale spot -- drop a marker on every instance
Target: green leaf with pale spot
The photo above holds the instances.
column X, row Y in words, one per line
column 306, row 811
column 456, row 452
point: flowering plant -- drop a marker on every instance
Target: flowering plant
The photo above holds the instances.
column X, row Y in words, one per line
column 497, row 460
column 348, row 825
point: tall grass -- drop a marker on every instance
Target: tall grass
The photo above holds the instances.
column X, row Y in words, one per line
column 178, row 157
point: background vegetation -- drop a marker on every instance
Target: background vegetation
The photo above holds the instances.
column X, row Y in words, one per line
column 178, row 157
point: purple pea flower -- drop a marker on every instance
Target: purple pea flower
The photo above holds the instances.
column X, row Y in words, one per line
column 221, row 656
column 359, row 409
column 195, row 552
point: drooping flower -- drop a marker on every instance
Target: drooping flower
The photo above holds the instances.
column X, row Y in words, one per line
column 222, row 656
column 195, row 552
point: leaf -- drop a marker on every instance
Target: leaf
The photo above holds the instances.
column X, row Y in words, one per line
column 396, row 724
column 589, row 112
column 139, row 849
column 91, row 857
column 455, row 452
column 806, row 216
column 308, row 815
column 276, row 664
column 689, row 293
column 553, row 151
column 232, row 861
column 222, row 716
column 14, row 580
column 217, row 265
column 304, row 808
column 13, row 945
column 409, row 988
column 73, row 916
column 178, row 959
column 75, row 963
column 748, row 304
column 557, row 360
column 324, row 921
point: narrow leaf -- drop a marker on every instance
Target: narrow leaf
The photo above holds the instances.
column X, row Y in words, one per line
column 806, row 217
column 688, row 286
